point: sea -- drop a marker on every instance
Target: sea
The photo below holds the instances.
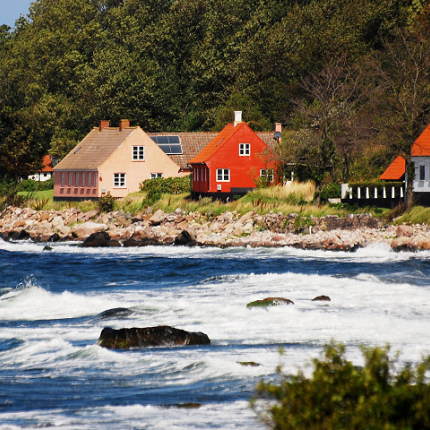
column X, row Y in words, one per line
column 53, row 307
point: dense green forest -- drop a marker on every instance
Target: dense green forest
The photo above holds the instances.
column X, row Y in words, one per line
column 348, row 79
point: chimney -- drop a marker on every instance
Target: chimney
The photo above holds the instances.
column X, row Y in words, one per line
column 104, row 123
column 278, row 132
column 123, row 123
column 237, row 117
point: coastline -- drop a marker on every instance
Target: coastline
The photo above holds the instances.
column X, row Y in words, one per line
column 229, row 229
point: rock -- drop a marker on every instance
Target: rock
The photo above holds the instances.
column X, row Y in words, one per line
column 115, row 312
column 249, row 363
column 185, row 238
column 405, row 231
column 47, row 248
column 270, row 301
column 157, row 218
column 144, row 242
column 127, row 338
column 22, row 235
column 100, row 239
column 3, row 237
column 321, row 298
column 87, row 228
column 54, row 238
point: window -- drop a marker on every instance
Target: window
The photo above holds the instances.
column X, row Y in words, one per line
column 422, row 173
column 77, row 179
column 223, row 175
column 138, row 153
column 89, row 179
column 70, row 180
column 156, row 175
column 119, row 180
column 244, row 149
column 63, row 179
column 95, row 179
column 267, row 174
column 83, row 179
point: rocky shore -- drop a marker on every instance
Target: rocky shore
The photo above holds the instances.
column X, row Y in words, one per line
column 227, row 229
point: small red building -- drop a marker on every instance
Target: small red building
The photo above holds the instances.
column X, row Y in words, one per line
column 232, row 162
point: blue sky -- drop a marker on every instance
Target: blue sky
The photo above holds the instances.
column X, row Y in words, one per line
column 10, row 10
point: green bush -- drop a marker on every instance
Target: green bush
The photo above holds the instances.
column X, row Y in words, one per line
column 29, row 185
column 340, row 395
column 330, row 191
column 106, row 203
column 156, row 187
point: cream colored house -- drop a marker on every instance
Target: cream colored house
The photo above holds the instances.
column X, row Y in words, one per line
column 111, row 160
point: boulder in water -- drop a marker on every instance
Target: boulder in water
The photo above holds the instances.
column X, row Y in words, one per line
column 100, row 239
column 322, row 299
column 270, row 301
column 115, row 312
column 185, row 238
column 127, row 338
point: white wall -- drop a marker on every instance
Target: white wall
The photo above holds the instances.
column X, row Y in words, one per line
column 421, row 186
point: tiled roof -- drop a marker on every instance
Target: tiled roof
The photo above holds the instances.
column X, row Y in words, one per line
column 47, row 164
column 395, row 170
column 192, row 143
column 265, row 136
column 95, row 148
column 216, row 143
column 421, row 147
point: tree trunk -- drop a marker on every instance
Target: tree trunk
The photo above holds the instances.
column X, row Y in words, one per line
column 409, row 178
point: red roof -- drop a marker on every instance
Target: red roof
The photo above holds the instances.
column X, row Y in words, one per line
column 216, row 143
column 47, row 164
column 395, row 170
column 421, row 146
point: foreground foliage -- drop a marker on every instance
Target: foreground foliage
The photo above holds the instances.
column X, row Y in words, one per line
column 340, row 395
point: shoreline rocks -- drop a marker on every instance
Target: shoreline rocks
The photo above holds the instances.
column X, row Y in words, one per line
column 230, row 229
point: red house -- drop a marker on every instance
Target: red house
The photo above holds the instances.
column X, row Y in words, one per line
column 231, row 163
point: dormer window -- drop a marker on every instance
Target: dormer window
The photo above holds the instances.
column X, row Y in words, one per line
column 244, row 149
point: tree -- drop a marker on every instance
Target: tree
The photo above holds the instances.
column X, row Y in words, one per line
column 340, row 395
column 402, row 73
column 326, row 122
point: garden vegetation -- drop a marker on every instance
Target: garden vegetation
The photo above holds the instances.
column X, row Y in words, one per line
column 380, row 395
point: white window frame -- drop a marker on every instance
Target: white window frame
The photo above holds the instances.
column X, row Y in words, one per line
column 244, row 149
column 119, row 180
column 223, row 175
column 156, row 175
column 138, row 153
column 422, row 172
column 267, row 173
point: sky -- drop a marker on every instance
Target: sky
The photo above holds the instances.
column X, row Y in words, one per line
column 10, row 10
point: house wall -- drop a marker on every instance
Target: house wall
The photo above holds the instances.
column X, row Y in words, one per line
column 71, row 190
column 42, row 176
column 121, row 162
column 244, row 169
column 421, row 186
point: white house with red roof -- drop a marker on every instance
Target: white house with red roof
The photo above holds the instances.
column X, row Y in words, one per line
column 45, row 172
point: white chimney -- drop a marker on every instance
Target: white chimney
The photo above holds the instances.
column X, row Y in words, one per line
column 237, row 117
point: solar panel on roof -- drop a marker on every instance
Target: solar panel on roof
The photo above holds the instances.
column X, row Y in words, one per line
column 171, row 145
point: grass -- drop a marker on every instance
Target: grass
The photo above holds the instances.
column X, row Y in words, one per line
column 415, row 215
column 294, row 198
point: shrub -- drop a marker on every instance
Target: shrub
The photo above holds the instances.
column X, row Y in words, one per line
column 340, row 395
column 106, row 203
column 330, row 191
column 156, row 187
column 30, row 185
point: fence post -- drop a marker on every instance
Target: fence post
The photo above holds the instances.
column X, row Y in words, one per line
column 367, row 192
column 375, row 193
column 384, row 193
column 393, row 192
column 401, row 191
column 358, row 193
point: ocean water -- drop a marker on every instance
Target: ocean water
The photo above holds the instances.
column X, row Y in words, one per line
column 53, row 373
